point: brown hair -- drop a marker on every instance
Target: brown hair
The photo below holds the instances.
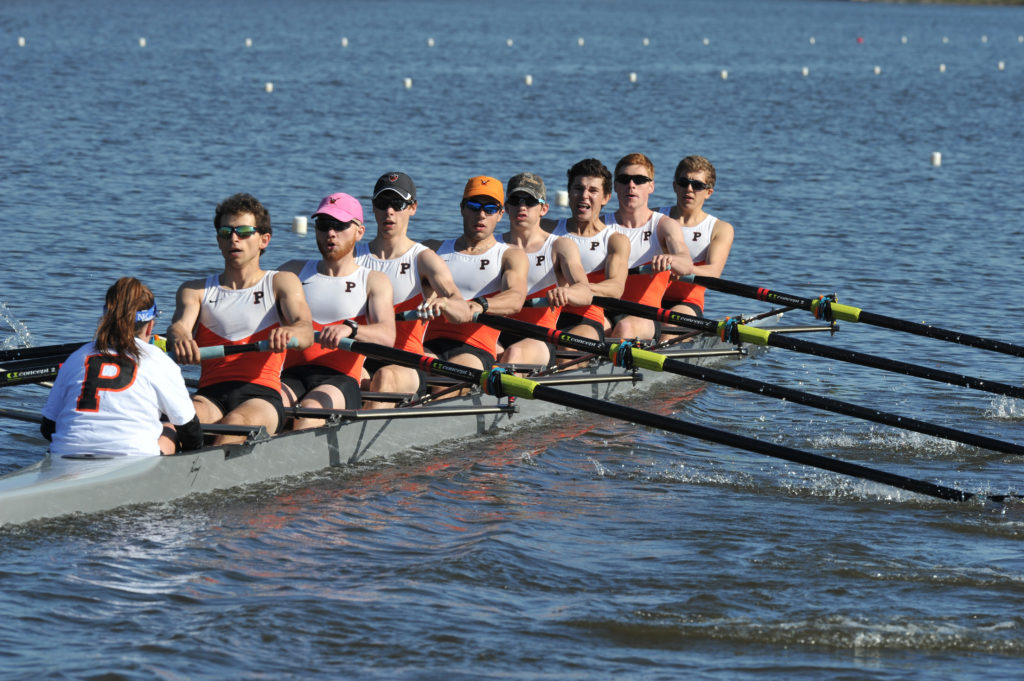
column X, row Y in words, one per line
column 117, row 329
column 244, row 203
column 696, row 164
column 635, row 160
column 591, row 167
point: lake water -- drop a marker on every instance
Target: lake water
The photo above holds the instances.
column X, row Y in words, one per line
column 581, row 549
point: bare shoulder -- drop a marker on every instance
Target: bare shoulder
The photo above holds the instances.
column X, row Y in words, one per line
column 378, row 281
column 721, row 229
column 193, row 288
column 285, row 281
column 515, row 257
column 667, row 224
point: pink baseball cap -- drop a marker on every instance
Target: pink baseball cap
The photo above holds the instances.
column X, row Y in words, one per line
column 342, row 207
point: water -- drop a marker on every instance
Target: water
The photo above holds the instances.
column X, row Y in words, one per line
column 583, row 548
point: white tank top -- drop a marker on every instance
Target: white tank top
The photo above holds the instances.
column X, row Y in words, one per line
column 698, row 237
column 333, row 299
column 475, row 275
column 541, row 275
column 643, row 240
column 593, row 249
column 238, row 314
column 111, row 406
column 403, row 271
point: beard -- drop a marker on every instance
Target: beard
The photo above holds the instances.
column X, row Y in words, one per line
column 338, row 253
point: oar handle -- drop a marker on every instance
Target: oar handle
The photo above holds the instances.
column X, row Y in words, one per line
column 216, row 351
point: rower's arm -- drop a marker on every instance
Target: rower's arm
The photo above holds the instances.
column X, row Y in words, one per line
column 573, row 287
column 180, row 340
column 718, row 250
column 380, row 311
column 616, row 268
column 514, row 271
column 675, row 254
column 297, row 320
column 439, row 288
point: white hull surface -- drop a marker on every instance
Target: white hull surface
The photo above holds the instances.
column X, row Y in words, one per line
column 55, row 487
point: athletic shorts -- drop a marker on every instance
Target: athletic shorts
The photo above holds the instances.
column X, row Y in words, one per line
column 446, row 348
column 227, row 396
column 698, row 312
column 507, row 338
column 568, row 320
column 305, row 377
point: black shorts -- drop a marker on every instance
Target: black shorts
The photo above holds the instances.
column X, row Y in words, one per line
column 698, row 313
column 446, row 348
column 301, row 379
column 227, row 396
column 567, row 320
column 507, row 338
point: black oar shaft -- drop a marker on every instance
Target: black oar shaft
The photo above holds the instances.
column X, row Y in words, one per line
column 533, row 390
column 862, row 316
column 807, row 347
column 30, row 371
column 709, row 375
column 19, row 354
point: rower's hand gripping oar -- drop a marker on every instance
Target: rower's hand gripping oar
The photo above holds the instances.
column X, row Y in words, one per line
column 500, row 383
column 827, row 307
column 625, row 354
column 731, row 329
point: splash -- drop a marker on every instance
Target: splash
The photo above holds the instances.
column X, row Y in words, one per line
column 1005, row 408
column 19, row 335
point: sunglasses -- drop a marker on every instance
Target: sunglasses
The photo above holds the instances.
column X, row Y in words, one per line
column 487, row 208
column 327, row 224
column 523, row 200
column 395, row 204
column 243, row 231
column 635, row 179
column 697, row 185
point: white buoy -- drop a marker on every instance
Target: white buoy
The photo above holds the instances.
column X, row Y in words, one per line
column 430, row 42
column 945, row 40
column 344, row 42
column 725, row 74
column 510, row 42
column 562, row 198
column 942, row 68
column 21, row 41
column 407, row 82
column 1002, row 66
column 936, row 158
column 647, row 42
column 299, row 224
column 706, row 41
column 1020, row 39
column 632, row 76
column 579, row 41
column 806, row 71
column 248, row 42
column 984, row 38
column 142, row 42
column 903, row 40
column 878, row 70
column 528, row 79
column 269, row 87
column 812, row 40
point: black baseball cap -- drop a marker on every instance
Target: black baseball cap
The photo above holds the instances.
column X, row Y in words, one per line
column 399, row 183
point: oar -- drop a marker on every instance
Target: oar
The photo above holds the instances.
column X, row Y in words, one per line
column 625, row 354
column 828, row 308
column 498, row 382
column 731, row 329
column 30, row 371
column 16, row 354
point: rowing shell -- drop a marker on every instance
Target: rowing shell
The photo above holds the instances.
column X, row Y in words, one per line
column 59, row 486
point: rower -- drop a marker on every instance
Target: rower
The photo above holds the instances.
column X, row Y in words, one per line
column 655, row 240
column 555, row 277
column 241, row 305
column 109, row 395
column 419, row 279
column 604, row 252
column 491, row 275
column 346, row 300
column 707, row 238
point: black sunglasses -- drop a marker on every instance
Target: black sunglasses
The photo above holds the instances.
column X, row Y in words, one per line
column 697, row 185
column 523, row 200
column 635, row 179
column 327, row 224
column 396, row 204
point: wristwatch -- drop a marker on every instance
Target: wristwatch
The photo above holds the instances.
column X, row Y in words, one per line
column 352, row 324
column 482, row 302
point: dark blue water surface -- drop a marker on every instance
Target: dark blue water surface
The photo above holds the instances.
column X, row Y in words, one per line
column 582, row 548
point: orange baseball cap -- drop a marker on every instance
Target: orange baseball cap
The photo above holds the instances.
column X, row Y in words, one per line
column 481, row 185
